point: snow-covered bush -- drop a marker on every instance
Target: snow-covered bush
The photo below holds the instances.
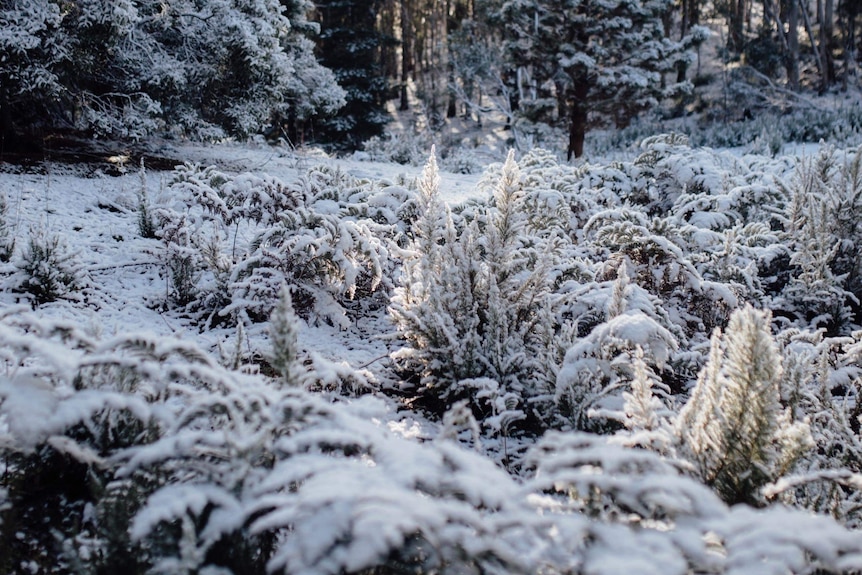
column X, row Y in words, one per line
column 408, row 149
column 822, row 384
column 823, row 234
column 667, row 521
column 461, row 159
column 328, row 259
column 47, row 268
column 474, row 301
column 182, row 260
column 7, row 232
column 734, row 427
column 326, row 235
column 771, row 128
column 171, row 463
column 598, row 366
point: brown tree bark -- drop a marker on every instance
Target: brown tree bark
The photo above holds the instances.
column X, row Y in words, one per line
column 736, row 25
column 791, row 61
column 406, row 53
column 852, row 10
column 827, row 41
column 578, row 124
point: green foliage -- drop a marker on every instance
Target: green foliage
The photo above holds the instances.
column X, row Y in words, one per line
column 146, row 226
column 48, row 269
column 181, row 259
column 283, row 335
column 129, row 69
column 7, row 237
column 734, row 427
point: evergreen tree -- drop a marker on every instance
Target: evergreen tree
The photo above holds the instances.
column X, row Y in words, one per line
column 284, row 334
column 350, row 45
column 591, row 62
column 734, row 427
column 130, row 68
column 473, row 302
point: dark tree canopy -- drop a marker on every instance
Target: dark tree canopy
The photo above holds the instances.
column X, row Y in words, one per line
column 128, row 69
column 351, row 45
column 590, row 62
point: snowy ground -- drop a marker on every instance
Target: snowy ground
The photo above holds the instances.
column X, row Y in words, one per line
column 349, row 507
column 94, row 207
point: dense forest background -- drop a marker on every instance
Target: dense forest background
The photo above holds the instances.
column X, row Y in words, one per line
column 332, row 72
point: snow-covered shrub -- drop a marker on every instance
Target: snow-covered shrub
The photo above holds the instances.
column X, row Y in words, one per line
column 822, row 384
column 182, row 260
column 823, row 234
column 461, row 159
column 734, row 428
column 598, row 366
column 156, row 445
column 840, row 126
column 647, row 419
column 230, row 200
column 655, row 262
column 435, row 307
column 171, row 463
column 325, row 235
column 407, row 149
column 474, row 300
column 327, row 259
column 667, row 521
column 7, row 233
column 47, row 268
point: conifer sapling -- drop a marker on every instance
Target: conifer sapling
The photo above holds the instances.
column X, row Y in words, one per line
column 284, row 333
column 734, row 426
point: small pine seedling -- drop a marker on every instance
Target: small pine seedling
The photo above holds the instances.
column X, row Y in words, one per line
column 146, row 227
column 50, row 271
column 284, row 335
column 7, row 240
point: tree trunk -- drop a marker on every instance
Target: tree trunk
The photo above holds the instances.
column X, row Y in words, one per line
column 406, row 53
column 682, row 66
column 578, row 125
column 850, row 42
column 791, row 62
column 827, row 42
column 736, row 35
column 810, row 31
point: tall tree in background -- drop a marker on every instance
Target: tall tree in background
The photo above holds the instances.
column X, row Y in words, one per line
column 592, row 62
column 849, row 12
column 350, row 44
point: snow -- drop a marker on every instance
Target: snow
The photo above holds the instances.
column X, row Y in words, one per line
column 347, row 476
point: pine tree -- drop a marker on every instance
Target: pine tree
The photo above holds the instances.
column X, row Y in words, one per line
column 734, row 427
column 128, row 69
column 350, row 45
column 283, row 334
column 591, row 61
